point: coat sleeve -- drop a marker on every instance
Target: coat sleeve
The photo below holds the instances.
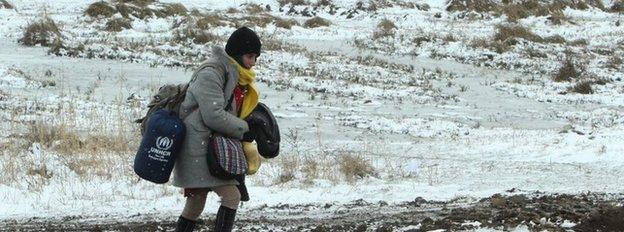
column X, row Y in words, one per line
column 207, row 89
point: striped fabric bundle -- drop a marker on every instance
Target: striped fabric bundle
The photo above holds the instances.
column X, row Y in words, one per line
column 229, row 155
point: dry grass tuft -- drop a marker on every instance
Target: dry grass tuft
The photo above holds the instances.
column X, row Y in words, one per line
column 614, row 62
column 232, row 10
column 194, row 35
column 169, row 10
column 316, row 22
column 62, row 139
column 292, row 2
column 210, row 20
column 118, row 24
column 285, row 23
column 384, row 28
column 505, row 33
column 578, row 42
column 583, row 87
column 617, row 6
column 271, row 44
column 471, row 5
column 567, row 72
column 253, row 8
column 354, row 167
column 44, row 32
column 141, row 3
column 100, row 9
column 6, row 5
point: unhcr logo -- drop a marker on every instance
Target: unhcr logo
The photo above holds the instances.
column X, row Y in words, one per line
column 163, row 143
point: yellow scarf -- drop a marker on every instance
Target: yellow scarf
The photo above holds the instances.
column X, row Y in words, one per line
column 247, row 77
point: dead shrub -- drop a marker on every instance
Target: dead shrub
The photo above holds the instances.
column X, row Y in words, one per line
column 385, row 28
column 316, row 22
column 169, row 10
column 554, row 9
column 210, row 20
column 471, row 5
column 62, row 139
column 555, row 39
column 292, row 2
column 354, row 166
column 118, row 24
column 285, row 23
column 583, row 87
column 100, row 9
column 231, row 10
column 44, row 32
column 127, row 10
column 324, row 3
column 253, row 8
column 279, row 45
column 288, row 166
column 567, row 72
column 194, row 35
column 614, row 62
column 617, row 6
column 140, row 3
column 261, row 20
column 506, row 32
column 557, row 17
column 6, row 5
column 578, row 42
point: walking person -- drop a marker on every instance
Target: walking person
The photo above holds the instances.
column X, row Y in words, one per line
column 220, row 96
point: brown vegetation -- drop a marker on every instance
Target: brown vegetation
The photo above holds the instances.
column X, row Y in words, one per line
column 5, row 4
column 194, row 35
column 253, row 8
column 567, row 72
column 618, row 6
column 354, row 167
column 292, row 2
column 583, row 87
column 44, row 32
column 210, row 20
column 100, row 9
column 137, row 8
column 66, row 141
column 285, row 23
column 316, row 22
column 118, row 24
column 471, row 5
column 614, row 62
column 384, row 28
column 171, row 10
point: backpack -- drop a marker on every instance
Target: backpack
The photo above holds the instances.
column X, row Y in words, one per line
column 163, row 132
column 168, row 97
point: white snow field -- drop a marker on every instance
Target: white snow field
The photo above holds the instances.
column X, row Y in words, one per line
column 419, row 112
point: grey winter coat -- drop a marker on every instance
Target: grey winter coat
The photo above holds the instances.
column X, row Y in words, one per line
column 203, row 113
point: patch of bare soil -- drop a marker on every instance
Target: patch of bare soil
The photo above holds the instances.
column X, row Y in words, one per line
column 587, row 212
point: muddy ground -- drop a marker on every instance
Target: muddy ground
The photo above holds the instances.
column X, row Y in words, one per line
column 538, row 212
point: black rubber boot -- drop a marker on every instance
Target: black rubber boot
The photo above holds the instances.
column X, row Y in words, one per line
column 225, row 219
column 185, row 225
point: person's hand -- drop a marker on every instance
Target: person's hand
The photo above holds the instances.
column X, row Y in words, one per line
column 249, row 136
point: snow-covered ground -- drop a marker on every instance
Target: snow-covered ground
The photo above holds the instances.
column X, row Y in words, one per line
column 436, row 120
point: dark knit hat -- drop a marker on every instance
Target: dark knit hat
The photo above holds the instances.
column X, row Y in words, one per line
column 243, row 41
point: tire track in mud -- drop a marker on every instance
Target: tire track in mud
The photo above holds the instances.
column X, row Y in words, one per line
column 536, row 211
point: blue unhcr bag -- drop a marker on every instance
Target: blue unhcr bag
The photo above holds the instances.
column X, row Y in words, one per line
column 162, row 139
